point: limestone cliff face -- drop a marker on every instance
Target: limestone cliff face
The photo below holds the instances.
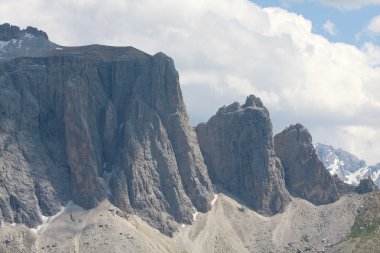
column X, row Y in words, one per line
column 96, row 122
column 305, row 175
column 237, row 145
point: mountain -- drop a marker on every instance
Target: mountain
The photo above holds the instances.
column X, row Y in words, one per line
column 15, row 42
column 305, row 175
column 237, row 145
column 348, row 167
column 96, row 122
column 97, row 155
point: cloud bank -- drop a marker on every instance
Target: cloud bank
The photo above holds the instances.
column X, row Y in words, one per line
column 373, row 28
column 349, row 4
column 227, row 49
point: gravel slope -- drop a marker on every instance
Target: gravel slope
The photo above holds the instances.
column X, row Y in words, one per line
column 228, row 227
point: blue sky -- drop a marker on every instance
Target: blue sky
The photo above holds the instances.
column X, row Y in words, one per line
column 348, row 22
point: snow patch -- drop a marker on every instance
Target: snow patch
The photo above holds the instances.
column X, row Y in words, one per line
column 347, row 166
column 351, row 179
column 375, row 176
column 195, row 216
column 214, row 200
column 28, row 36
column 183, row 225
column 58, row 48
column 4, row 44
column 334, row 167
column 35, row 230
column 49, row 219
column 105, row 180
column 355, row 177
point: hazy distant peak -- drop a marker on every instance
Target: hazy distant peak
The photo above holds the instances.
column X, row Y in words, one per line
column 253, row 101
column 9, row 32
column 346, row 166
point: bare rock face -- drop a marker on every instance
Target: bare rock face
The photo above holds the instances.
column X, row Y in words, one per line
column 15, row 42
column 305, row 175
column 95, row 122
column 343, row 188
column 237, row 145
column 366, row 185
column 8, row 32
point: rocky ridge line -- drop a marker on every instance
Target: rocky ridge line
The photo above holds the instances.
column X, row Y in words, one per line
column 346, row 166
column 9, row 32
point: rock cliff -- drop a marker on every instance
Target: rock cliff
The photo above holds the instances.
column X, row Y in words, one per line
column 305, row 175
column 343, row 188
column 15, row 42
column 237, row 145
column 366, row 185
column 95, row 122
column 9, row 32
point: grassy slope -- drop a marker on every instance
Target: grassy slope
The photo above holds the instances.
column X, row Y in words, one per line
column 365, row 233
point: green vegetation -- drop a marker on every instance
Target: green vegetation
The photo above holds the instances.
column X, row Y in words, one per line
column 365, row 227
column 2, row 249
column 365, row 233
column 367, row 222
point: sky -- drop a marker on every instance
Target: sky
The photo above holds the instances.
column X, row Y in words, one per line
column 315, row 62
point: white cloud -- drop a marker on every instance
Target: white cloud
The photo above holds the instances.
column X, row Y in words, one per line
column 373, row 53
column 349, row 4
column 329, row 27
column 225, row 49
column 373, row 28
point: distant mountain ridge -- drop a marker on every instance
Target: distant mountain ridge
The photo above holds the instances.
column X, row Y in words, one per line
column 29, row 42
column 347, row 166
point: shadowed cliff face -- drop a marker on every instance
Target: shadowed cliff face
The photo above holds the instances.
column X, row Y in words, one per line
column 237, row 145
column 305, row 175
column 366, row 185
column 88, row 123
